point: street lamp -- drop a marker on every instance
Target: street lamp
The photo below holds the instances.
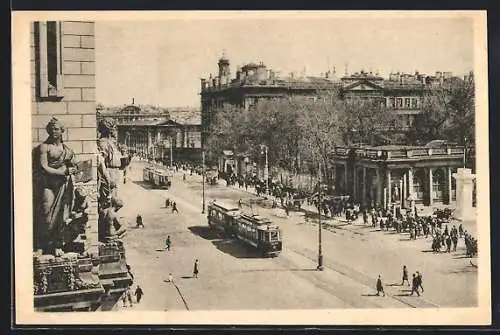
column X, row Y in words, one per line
column 320, row 249
column 171, row 160
column 465, row 151
column 203, row 179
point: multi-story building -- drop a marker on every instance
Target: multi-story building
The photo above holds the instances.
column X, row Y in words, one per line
column 401, row 93
column 252, row 83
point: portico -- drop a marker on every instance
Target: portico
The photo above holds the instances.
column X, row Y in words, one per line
column 387, row 175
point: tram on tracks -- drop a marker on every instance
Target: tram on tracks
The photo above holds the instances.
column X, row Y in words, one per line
column 157, row 177
column 253, row 230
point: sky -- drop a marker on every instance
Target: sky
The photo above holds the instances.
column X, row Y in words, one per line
column 161, row 62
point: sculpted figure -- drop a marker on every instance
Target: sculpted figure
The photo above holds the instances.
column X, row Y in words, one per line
column 55, row 165
column 109, row 224
column 109, row 161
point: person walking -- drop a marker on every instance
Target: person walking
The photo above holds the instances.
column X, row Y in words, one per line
column 174, row 207
column 138, row 221
column 365, row 217
column 419, row 280
column 138, row 294
column 129, row 296
column 380, row 286
column 240, row 204
column 195, row 269
column 405, row 276
column 414, row 287
column 168, row 243
column 167, row 203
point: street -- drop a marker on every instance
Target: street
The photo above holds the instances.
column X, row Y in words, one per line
column 233, row 277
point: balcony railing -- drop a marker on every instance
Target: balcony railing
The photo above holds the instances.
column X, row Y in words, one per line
column 399, row 153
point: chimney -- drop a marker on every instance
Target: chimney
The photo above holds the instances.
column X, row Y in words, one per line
column 133, row 100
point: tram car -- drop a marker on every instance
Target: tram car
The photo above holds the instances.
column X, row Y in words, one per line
column 146, row 174
column 221, row 218
column 157, row 178
column 260, row 233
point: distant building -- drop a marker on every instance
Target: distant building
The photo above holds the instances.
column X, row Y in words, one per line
column 401, row 92
column 157, row 132
column 390, row 174
column 252, row 83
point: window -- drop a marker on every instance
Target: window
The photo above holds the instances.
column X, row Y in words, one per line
column 48, row 59
column 399, row 102
column 414, row 103
column 407, row 102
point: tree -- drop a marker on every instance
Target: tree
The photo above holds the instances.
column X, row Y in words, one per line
column 447, row 113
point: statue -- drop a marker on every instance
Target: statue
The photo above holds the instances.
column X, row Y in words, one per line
column 109, row 162
column 395, row 193
column 54, row 167
column 109, row 225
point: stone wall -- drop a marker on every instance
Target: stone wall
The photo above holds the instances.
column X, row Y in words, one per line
column 75, row 105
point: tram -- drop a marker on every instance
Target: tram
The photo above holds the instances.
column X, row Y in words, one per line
column 156, row 177
column 253, row 230
column 260, row 233
column 221, row 218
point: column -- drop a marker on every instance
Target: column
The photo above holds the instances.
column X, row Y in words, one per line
column 345, row 177
column 448, row 184
column 431, row 200
column 354, row 183
column 388, row 187
column 378, row 196
column 363, row 190
column 404, row 190
column 410, row 181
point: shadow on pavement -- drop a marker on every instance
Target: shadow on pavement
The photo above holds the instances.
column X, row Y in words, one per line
column 143, row 184
column 205, row 232
column 370, row 295
column 281, row 270
column 236, row 249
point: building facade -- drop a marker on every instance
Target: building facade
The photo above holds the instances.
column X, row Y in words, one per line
column 385, row 175
column 253, row 82
column 159, row 133
column 63, row 87
column 401, row 93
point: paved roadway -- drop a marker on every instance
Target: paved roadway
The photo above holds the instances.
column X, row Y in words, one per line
column 233, row 277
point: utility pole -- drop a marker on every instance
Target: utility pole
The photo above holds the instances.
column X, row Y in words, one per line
column 320, row 249
column 465, row 151
column 266, row 173
column 171, row 160
column 203, row 180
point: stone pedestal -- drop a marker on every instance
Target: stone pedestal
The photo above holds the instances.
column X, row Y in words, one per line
column 465, row 183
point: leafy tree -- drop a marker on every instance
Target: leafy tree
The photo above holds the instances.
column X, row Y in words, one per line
column 447, row 113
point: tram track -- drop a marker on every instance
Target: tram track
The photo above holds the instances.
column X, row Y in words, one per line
column 361, row 278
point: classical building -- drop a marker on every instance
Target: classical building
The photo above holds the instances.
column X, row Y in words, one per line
column 398, row 174
column 160, row 132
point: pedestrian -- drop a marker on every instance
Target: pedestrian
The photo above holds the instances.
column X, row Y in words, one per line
column 239, row 204
column 414, row 287
column 138, row 221
column 168, row 243
column 184, row 177
column 419, row 278
column 124, row 299
column 174, row 207
column 195, row 269
column 138, row 294
column 365, row 217
column 380, row 286
column 448, row 243
column 167, row 203
column 405, row 276
column 129, row 296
